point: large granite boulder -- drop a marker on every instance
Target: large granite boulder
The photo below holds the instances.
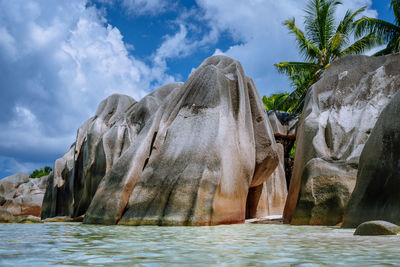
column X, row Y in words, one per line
column 376, row 195
column 339, row 113
column 187, row 154
column 21, row 195
column 274, row 191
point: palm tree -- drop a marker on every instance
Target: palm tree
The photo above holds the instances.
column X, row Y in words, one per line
column 385, row 30
column 322, row 43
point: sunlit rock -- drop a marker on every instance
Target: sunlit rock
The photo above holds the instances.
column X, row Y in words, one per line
column 187, row 154
column 339, row 113
column 274, row 191
column 21, row 195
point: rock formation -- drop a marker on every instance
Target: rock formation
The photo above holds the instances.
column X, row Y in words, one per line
column 187, row 154
column 377, row 228
column 21, row 195
column 284, row 126
column 376, row 195
column 274, row 191
column 339, row 113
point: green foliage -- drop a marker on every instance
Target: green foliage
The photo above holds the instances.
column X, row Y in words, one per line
column 273, row 102
column 40, row 173
column 322, row 42
column 277, row 102
column 389, row 32
column 291, row 154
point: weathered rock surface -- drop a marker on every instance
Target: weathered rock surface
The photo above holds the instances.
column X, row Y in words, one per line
column 377, row 228
column 284, row 126
column 100, row 141
column 187, row 154
column 325, row 193
column 339, row 113
column 376, row 195
column 21, row 195
column 274, row 191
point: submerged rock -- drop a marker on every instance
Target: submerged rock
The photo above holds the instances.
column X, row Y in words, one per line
column 21, row 195
column 7, row 217
column 376, row 195
column 27, row 219
column 339, row 113
column 63, row 219
column 187, row 154
column 377, row 228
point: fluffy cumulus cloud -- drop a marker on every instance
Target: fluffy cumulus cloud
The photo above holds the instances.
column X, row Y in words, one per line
column 58, row 60
column 262, row 39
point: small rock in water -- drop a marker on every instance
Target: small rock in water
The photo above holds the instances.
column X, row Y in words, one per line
column 27, row 219
column 64, row 219
column 6, row 217
column 377, row 228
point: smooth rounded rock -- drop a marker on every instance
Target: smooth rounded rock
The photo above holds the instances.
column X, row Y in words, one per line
column 339, row 113
column 377, row 228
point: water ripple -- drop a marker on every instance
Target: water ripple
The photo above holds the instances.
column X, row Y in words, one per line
column 74, row 244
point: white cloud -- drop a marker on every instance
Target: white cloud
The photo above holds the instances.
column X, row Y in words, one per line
column 7, row 44
column 262, row 39
column 59, row 59
column 141, row 7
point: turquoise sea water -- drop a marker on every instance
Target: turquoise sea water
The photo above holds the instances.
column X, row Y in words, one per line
column 229, row 245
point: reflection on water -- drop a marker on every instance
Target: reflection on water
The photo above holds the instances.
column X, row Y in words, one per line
column 244, row 245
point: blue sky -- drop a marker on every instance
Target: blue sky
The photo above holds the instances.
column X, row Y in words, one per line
column 59, row 59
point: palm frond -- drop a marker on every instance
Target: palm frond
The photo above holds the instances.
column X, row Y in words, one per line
column 341, row 37
column 295, row 68
column 395, row 5
column 319, row 22
column 381, row 28
column 346, row 25
column 394, row 45
column 302, row 85
column 365, row 43
column 306, row 48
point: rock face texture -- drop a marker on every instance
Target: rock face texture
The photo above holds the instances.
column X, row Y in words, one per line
column 377, row 228
column 274, row 190
column 338, row 116
column 284, row 126
column 21, row 195
column 187, row 154
column 376, row 195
